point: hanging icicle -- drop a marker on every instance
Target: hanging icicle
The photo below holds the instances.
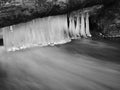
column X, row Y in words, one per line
column 87, row 25
column 78, row 27
column 51, row 30
column 72, row 28
column 83, row 34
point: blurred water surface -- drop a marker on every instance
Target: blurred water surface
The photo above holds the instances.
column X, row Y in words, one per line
column 79, row 65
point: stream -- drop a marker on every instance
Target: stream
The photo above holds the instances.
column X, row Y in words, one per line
column 78, row 65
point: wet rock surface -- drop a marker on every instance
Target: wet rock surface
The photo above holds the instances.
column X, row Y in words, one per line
column 13, row 13
column 107, row 20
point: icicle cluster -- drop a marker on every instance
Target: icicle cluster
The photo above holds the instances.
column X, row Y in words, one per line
column 46, row 31
column 79, row 26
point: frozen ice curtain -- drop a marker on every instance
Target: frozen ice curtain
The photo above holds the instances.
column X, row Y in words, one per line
column 50, row 30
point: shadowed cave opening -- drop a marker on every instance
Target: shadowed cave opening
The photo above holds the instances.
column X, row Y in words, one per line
column 1, row 42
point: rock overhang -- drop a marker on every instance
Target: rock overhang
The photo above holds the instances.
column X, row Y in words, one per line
column 14, row 14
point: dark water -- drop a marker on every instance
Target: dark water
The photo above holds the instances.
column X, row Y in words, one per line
column 105, row 50
column 79, row 65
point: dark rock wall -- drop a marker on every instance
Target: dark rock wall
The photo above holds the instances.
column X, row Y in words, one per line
column 16, row 11
column 107, row 20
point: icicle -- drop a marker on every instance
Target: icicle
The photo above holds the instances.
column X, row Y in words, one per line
column 72, row 28
column 66, row 28
column 78, row 26
column 83, row 26
column 4, row 37
column 87, row 25
column 7, row 38
column 33, row 32
column 51, row 25
column 11, row 28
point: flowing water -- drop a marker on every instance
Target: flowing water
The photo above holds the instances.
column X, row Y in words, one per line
column 79, row 65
